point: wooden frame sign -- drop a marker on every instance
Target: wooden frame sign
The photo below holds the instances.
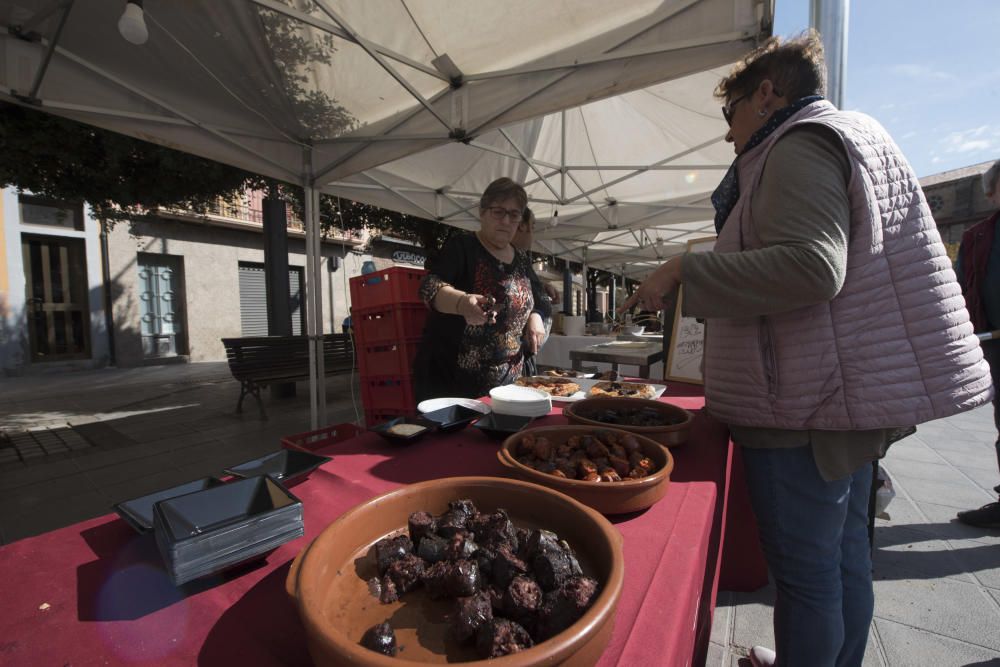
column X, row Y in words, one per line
column 687, row 340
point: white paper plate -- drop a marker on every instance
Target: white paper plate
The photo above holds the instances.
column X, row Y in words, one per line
column 585, row 386
column 523, row 408
column 512, row 393
column 432, row 404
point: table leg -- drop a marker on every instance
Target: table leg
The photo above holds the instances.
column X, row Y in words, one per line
column 644, row 372
column 577, row 364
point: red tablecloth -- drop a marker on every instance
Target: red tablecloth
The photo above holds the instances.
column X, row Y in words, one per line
column 96, row 593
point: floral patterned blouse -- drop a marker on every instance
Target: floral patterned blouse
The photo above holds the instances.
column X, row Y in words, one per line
column 456, row 359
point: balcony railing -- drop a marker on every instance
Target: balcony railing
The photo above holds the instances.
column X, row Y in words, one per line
column 250, row 210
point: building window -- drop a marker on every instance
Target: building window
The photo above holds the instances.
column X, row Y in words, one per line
column 50, row 212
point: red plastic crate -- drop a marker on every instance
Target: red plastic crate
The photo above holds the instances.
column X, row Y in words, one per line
column 388, row 287
column 388, row 324
column 389, row 393
column 387, row 358
column 310, row 441
column 374, row 417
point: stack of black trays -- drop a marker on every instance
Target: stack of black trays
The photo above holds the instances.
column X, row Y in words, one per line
column 211, row 530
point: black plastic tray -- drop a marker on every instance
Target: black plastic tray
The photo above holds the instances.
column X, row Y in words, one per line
column 138, row 512
column 453, row 417
column 384, row 429
column 501, row 426
column 284, row 465
column 229, row 506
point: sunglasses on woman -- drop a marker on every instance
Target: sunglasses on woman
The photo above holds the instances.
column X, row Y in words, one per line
column 727, row 110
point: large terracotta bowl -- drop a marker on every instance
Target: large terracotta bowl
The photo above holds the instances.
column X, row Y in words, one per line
column 606, row 497
column 669, row 435
column 328, row 578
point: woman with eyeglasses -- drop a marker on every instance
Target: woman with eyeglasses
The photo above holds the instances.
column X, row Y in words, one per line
column 483, row 304
column 833, row 319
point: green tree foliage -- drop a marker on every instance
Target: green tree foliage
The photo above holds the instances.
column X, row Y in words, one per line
column 430, row 235
column 120, row 177
column 123, row 178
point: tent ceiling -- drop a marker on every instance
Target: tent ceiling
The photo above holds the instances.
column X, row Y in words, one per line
column 318, row 90
column 630, row 176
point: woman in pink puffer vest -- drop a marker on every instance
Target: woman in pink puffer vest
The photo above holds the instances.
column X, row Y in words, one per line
column 833, row 319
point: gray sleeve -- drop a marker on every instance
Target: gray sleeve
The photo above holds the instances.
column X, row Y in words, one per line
column 802, row 217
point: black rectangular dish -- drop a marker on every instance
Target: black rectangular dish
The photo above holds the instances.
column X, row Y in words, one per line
column 209, row 531
column 284, row 465
column 453, row 417
column 500, row 426
column 138, row 512
column 245, row 502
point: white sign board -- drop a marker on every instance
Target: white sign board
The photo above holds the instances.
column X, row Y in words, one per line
column 687, row 341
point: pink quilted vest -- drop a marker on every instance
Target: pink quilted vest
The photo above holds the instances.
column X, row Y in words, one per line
column 894, row 348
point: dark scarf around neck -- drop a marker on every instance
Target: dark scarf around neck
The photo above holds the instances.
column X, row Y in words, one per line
column 726, row 195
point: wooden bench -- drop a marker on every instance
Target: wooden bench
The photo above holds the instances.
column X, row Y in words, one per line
column 257, row 361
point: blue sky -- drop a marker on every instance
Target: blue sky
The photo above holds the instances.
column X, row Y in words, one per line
column 929, row 71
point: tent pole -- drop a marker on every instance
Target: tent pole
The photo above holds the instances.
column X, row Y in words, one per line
column 44, row 66
column 317, row 279
column 314, row 299
column 829, row 18
column 562, row 160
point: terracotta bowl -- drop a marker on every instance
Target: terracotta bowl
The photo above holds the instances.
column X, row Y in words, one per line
column 328, row 578
column 606, row 497
column 670, row 435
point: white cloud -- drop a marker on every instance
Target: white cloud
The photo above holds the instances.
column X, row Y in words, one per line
column 922, row 72
column 969, row 146
column 974, row 140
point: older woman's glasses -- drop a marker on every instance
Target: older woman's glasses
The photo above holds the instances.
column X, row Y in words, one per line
column 727, row 110
column 499, row 212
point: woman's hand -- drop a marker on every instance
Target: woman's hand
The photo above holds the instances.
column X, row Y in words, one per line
column 534, row 333
column 652, row 292
column 470, row 306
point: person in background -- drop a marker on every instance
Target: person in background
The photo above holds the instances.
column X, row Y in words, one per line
column 978, row 269
column 832, row 317
column 483, row 304
column 523, row 240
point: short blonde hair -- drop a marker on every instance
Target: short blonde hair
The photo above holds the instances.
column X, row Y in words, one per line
column 796, row 67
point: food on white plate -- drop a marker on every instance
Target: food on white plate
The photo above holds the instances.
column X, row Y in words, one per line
column 623, row 389
column 550, row 385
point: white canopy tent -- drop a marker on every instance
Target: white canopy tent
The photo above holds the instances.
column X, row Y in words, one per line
column 314, row 91
column 618, row 184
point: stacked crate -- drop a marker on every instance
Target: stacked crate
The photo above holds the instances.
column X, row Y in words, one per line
column 388, row 317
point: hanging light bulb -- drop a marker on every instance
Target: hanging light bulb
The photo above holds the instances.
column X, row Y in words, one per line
column 132, row 24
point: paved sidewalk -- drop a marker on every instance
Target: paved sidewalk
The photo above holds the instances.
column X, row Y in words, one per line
column 937, row 581
column 99, row 437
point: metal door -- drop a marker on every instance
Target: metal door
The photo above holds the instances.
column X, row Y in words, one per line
column 56, row 294
column 253, row 299
column 160, row 304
